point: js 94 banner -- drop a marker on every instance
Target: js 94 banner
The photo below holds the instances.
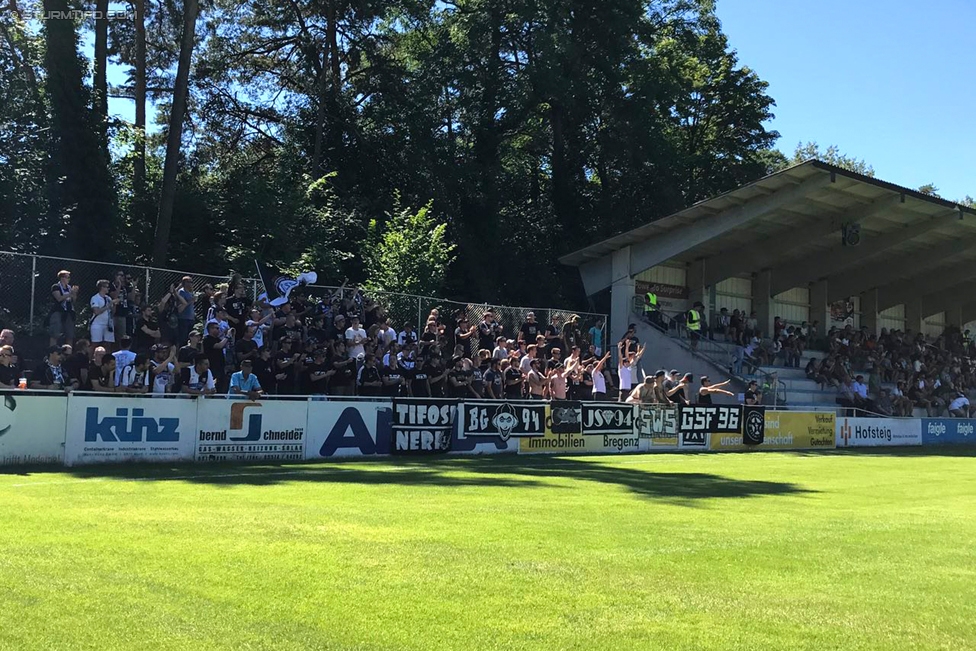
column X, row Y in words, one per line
column 422, row 426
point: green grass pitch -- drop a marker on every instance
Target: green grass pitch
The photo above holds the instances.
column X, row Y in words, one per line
column 724, row 551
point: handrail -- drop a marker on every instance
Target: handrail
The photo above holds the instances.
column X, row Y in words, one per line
column 706, row 346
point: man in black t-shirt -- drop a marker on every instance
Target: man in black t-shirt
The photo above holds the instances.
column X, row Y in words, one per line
column 343, row 382
column 752, row 395
column 146, row 333
column 457, row 380
column 247, row 348
column 9, row 371
column 263, row 369
column 419, row 379
column 529, row 330
column 494, row 381
column 369, row 381
column 213, row 348
column 392, row 375
column 317, row 374
column 238, row 308
column 513, row 382
column 284, row 365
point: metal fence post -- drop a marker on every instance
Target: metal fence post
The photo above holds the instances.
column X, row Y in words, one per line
column 33, row 282
column 145, row 292
column 419, row 315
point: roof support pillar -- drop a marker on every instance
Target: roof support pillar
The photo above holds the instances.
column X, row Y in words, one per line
column 913, row 314
column 621, row 296
column 819, row 308
column 762, row 301
column 869, row 311
column 695, row 275
column 968, row 314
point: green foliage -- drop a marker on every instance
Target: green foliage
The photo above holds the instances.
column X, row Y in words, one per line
column 831, row 155
column 410, row 253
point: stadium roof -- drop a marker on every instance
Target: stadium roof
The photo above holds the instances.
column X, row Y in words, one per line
column 790, row 223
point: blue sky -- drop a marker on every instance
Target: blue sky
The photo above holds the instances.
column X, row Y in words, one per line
column 888, row 81
column 892, row 82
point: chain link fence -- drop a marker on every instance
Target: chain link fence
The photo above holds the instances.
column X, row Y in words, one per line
column 26, row 301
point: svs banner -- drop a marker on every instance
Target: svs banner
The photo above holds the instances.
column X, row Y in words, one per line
column 104, row 430
column 347, row 429
column 657, row 428
column 32, row 428
column 785, row 430
column 241, row 430
column 422, row 425
column 876, row 432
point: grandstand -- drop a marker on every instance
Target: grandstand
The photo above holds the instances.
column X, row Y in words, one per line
column 812, row 247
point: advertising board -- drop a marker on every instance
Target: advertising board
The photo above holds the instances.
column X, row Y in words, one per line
column 877, row 432
column 784, row 430
column 948, row 431
column 242, row 430
column 32, row 428
column 112, row 430
column 347, row 428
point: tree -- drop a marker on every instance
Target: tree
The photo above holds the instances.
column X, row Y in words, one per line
column 831, row 155
column 411, row 254
column 174, row 138
column 83, row 189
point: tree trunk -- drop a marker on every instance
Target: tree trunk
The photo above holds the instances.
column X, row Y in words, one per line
column 174, row 138
column 100, row 83
column 83, row 190
column 139, row 163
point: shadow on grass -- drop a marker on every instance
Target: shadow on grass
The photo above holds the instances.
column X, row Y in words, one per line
column 911, row 451
column 488, row 471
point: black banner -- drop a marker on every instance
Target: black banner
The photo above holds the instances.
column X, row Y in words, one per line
column 566, row 417
column 608, row 418
column 754, row 425
column 504, row 419
column 422, row 425
column 714, row 419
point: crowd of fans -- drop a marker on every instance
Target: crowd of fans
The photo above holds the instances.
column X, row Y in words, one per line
column 219, row 341
column 939, row 377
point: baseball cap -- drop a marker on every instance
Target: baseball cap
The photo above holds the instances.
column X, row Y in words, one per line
column 687, row 377
column 660, row 373
column 673, row 371
column 245, row 362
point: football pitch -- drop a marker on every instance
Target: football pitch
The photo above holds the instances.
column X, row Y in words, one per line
column 836, row 550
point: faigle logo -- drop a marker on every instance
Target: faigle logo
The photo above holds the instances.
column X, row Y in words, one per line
column 964, row 428
column 937, row 429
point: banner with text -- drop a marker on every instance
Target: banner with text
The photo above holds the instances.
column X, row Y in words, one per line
column 657, row 428
column 948, row 431
column 607, row 418
column 785, row 430
column 876, row 432
column 423, row 425
column 112, row 430
column 503, row 419
column 32, row 428
column 576, row 442
column 341, row 428
column 241, row 430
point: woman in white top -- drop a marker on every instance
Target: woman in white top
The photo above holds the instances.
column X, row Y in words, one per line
column 101, row 322
column 599, row 380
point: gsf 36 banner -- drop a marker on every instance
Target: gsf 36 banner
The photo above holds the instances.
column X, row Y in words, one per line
column 422, row 425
